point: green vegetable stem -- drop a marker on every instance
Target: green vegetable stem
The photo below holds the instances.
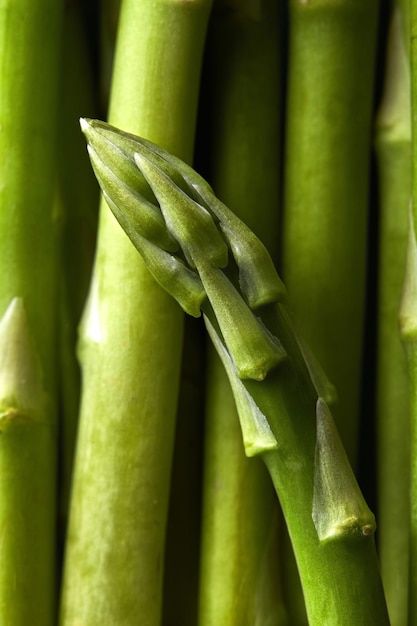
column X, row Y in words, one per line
column 280, row 392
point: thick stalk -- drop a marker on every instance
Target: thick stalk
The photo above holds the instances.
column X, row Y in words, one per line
column 130, row 347
column 29, row 65
column 326, row 187
column 240, row 581
column 393, row 147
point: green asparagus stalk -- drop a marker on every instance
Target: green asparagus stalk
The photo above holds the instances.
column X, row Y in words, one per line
column 77, row 205
column 130, row 347
column 240, row 563
column 393, row 146
column 240, row 569
column 408, row 326
column 183, row 536
column 326, row 180
column 29, row 70
column 408, row 322
column 278, row 388
column 109, row 18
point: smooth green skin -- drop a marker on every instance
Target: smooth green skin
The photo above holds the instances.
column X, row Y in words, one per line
column 77, row 205
column 182, row 550
column 326, row 179
column 408, row 329
column 409, row 341
column 240, row 569
column 411, row 351
column 29, row 56
column 130, row 347
column 109, row 18
column 240, row 578
column 29, row 65
column 393, row 149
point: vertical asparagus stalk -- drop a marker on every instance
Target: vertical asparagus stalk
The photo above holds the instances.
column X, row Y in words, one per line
column 109, row 17
column 183, row 537
column 408, row 321
column 279, row 391
column 408, row 327
column 29, row 65
column 393, row 146
column 77, row 205
column 130, row 347
column 326, row 186
column 240, row 563
column 240, row 569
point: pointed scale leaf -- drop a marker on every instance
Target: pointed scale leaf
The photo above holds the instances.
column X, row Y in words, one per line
column 120, row 148
column 258, row 277
column 181, row 282
column 251, row 346
column 339, row 508
column 102, row 138
column 189, row 222
column 141, row 216
column 259, row 281
column 256, row 432
column 22, row 393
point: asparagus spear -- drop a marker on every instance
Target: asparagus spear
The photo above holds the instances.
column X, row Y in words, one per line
column 240, row 559
column 408, row 317
column 29, row 66
column 77, row 205
column 393, row 145
column 280, row 394
column 326, row 180
column 130, row 347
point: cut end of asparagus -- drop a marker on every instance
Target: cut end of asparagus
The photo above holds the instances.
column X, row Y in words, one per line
column 339, row 508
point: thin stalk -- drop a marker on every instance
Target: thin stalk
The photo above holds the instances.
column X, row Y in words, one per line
column 240, row 568
column 109, row 18
column 393, row 147
column 240, row 560
column 183, row 537
column 408, row 327
column 130, row 347
column 326, row 180
column 408, row 322
column 77, row 206
column 29, row 72
column 279, row 389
